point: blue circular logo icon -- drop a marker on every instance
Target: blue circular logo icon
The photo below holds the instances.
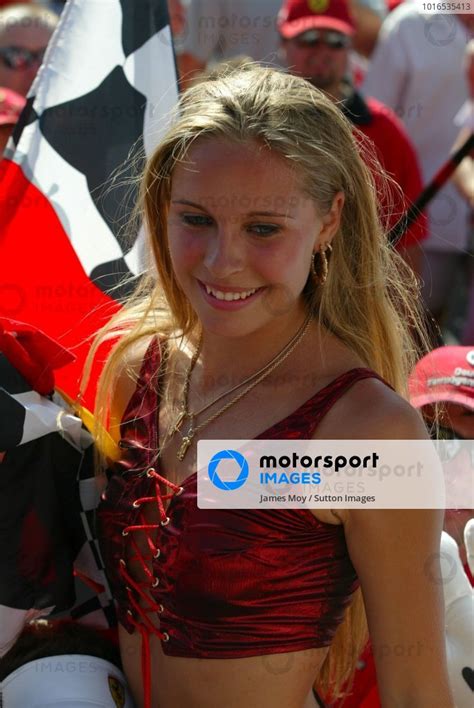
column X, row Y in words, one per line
column 228, row 455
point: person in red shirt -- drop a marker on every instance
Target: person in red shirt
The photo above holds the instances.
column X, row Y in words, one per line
column 316, row 41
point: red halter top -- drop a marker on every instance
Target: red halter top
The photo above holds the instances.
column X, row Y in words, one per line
column 224, row 583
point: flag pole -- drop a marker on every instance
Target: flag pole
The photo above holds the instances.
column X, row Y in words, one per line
column 438, row 181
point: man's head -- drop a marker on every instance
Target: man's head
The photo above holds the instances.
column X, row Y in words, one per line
column 445, row 377
column 316, row 36
column 25, row 31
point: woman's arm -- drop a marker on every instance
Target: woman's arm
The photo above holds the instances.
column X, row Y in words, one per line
column 396, row 555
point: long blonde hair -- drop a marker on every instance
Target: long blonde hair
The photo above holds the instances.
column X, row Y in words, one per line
column 369, row 299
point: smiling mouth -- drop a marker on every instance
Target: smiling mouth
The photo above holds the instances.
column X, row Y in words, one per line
column 229, row 296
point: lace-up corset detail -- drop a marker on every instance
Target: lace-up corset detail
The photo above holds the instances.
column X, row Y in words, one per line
column 214, row 583
column 146, row 559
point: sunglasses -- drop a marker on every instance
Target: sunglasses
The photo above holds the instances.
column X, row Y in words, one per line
column 330, row 39
column 19, row 58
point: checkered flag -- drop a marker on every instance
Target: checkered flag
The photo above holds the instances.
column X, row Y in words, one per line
column 49, row 558
column 100, row 103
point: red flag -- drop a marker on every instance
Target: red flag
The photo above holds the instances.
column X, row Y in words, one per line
column 97, row 108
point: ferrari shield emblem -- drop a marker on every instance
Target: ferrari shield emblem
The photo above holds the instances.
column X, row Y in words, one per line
column 318, row 5
column 117, row 691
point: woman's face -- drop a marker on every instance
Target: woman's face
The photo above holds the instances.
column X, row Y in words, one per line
column 241, row 235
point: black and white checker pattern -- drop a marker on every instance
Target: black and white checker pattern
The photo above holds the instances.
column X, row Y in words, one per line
column 48, row 496
column 91, row 607
column 100, row 102
column 26, row 416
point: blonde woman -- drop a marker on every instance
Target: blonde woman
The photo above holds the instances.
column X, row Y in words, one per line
column 276, row 311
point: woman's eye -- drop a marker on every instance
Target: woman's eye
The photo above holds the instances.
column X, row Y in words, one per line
column 264, row 229
column 201, row 220
column 196, row 219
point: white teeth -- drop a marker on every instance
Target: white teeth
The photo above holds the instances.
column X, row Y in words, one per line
column 229, row 296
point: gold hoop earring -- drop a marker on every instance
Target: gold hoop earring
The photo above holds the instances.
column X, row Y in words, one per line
column 320, row 270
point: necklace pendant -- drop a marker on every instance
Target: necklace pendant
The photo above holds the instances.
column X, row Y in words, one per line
column 183, row 448
column 178, row 421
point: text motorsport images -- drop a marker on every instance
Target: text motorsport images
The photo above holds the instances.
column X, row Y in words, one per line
column 293, row 477
column 386, row 474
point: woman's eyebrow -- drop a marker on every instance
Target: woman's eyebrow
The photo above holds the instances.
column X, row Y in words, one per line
column 270, row 213
column 186, row 202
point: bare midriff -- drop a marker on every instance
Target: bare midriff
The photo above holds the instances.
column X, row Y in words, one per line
column 269, row 681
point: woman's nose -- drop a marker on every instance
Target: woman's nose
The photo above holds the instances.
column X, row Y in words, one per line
column 224, row 255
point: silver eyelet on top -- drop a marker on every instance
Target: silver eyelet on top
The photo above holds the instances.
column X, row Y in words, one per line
column 166, row 521
column 155, row 583
column 136, row 504
column 157, row 554
column 122, row 562
column 165, row 637
column 150, row 472
column 161, row 608
column 180, row 491
column 124, row 533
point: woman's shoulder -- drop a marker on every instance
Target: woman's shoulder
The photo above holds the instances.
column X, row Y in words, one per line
column 370, row 409
column 388, row 411
column 366, row 406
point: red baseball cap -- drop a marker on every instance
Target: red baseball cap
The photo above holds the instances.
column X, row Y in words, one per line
column 445, row 374
column 298, row 16
column 11, row 105
column 392, row 4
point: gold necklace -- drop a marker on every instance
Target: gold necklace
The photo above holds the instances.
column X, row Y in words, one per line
column 184, row 413
column 252, row 381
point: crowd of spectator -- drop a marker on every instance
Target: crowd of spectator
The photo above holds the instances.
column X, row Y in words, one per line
column 404, row 78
